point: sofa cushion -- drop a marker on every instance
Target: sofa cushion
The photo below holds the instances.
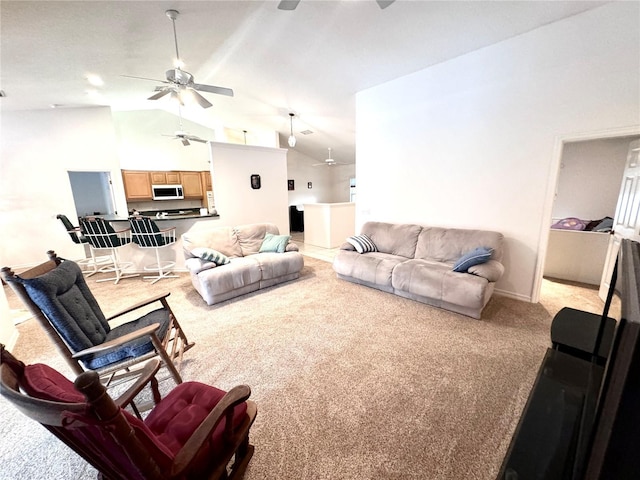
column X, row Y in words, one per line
column 362, row 243
column 240, row 272
column 275, row 265
column 474, row 257
column 395, row 239
column 210, row 255
column 375, row 267
column 449, row 244
column 274, row 243
column 222, row 239
column 250, row 237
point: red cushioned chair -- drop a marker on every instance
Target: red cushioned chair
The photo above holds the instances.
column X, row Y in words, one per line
column 195, row 432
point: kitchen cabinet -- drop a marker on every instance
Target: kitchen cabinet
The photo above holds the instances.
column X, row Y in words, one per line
column 137, row 185
column 191, row 185
column 165, row 178
column 207, row 185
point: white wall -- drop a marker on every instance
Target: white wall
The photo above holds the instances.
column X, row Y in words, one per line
column 590, row 178
column 470, row 142
column 237, row 203
column 328, row 184
column 143, row 146
column 38, row 149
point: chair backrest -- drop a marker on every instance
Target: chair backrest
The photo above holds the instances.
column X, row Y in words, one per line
column 58, row 292
column 76, row 236
column 85, row 418
column 145, row 232
column 99, row 233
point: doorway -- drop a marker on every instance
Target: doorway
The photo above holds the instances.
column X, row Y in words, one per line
column 92, row 193
column 571, row 182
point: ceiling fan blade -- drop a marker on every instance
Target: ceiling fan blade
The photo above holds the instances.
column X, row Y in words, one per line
column 160, row 94
column 213, row 89
column 288, row 4
column 145, row 78
column 196, row 139
column 185, row 142
column 203, row 102
column 384, row 3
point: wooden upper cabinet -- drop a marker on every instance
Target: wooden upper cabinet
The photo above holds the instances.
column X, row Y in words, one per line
column 207, row 185
column 165, row 178
column 191, row 184
column 137, row 185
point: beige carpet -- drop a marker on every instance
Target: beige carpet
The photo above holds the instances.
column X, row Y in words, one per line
column 350, row 382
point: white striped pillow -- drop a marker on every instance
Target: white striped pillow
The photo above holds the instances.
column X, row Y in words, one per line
column 362, row 243
column 210, row 255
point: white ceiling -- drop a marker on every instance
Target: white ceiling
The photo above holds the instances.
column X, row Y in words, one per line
column 310, row 61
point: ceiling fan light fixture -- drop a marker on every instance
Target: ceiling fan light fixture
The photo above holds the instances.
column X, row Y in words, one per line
column 292, row 139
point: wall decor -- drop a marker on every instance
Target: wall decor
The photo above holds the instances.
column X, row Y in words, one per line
column 255, row 182
column 309, row 185
column 290, row 185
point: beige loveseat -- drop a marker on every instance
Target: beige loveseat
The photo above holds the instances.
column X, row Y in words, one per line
column 226, row 262
column 417, row 262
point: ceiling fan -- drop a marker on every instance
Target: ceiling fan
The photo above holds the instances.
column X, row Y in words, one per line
column 178, row 82
column 292, row 4
column 183, row 136
column 329, row 162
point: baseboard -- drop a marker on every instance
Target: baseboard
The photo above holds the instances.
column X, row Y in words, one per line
column 514, row 296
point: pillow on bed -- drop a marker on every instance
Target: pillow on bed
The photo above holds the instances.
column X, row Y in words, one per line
column 570, row 223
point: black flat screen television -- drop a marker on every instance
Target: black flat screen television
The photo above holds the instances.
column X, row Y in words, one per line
column 614, row 446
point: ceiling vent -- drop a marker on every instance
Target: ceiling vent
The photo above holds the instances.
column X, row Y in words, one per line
column 306, row 132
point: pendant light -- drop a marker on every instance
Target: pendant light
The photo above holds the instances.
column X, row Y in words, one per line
column 292, row 139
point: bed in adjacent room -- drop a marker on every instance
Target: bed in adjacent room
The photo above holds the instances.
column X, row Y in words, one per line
column 577, row 249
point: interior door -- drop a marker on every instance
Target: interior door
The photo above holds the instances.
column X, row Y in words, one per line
column 626, row 223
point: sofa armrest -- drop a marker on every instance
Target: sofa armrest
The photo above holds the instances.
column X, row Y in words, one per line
column 292, row 247
column 491, row 270
column 197, row 265
column 347, row 246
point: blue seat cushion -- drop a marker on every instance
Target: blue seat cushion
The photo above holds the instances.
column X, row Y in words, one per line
column 134, row 348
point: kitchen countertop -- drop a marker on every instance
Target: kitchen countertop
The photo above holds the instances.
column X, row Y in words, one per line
column 183, row 216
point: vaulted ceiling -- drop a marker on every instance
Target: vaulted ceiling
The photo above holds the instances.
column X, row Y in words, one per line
column 310, row 61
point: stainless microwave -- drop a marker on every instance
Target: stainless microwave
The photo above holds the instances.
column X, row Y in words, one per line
column 167, row 192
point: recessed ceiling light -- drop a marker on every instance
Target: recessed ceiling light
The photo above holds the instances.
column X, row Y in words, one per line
column 95, row 80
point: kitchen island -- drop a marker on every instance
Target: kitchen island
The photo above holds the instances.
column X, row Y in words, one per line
column 141, row 257
column 328, row 225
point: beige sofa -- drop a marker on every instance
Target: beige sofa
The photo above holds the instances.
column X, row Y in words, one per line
column 248, row 269
column 417, row 262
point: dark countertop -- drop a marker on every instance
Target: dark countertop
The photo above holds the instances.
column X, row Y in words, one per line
column 183, row 216
column 168, row 216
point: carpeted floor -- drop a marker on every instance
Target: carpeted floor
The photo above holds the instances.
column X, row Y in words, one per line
column 350, row 382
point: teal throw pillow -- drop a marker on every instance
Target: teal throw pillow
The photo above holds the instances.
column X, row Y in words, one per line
column 362, row 243
column 474, row 257
column 210, row 255
column 274, row 243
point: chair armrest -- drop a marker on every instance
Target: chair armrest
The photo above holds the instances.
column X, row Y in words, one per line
column 292, row 247
column 116, row 342
column 235, row 396
column 147, row 374
column 141, row 304
column 196, row 265
column 491, row 270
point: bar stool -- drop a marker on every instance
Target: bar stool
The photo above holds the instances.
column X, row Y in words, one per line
column 91, row 265
column 101, row 236
column 146, row 234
